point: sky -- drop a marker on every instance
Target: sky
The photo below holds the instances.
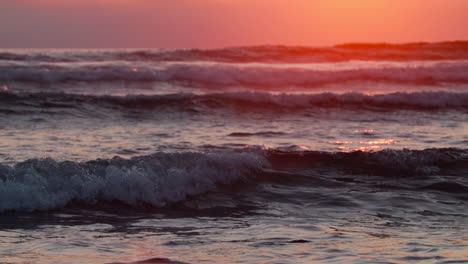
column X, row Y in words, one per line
column 226, row 23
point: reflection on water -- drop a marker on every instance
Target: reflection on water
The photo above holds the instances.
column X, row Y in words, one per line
column 69, row 138
column 258, row 239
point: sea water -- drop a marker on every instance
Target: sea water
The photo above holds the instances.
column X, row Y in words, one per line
column 356, row 153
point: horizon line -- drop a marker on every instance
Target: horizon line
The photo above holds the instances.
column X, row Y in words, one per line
column 338, row 45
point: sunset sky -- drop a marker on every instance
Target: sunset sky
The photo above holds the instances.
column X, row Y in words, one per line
column 221, row 23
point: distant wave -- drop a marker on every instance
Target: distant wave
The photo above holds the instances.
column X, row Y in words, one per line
column 234, row 75
column 245, row 101
column 162, row 179
column 453, row 50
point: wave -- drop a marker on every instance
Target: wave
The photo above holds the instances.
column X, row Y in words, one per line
column 388, row 162
column 452, row 50
column 262, row 133
column 235, row 75
column 152, row 261
column 17, row 103
column 157, row 179
column 162, row 179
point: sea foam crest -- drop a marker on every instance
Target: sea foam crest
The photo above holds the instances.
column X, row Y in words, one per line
column 245, row 100
column 158, row 179
column 223, row 74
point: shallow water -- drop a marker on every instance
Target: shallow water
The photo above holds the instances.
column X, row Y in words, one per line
column 377, row 220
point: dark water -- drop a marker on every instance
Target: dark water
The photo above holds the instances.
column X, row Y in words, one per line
column 349, row 154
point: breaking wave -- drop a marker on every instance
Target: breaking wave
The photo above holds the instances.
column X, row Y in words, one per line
column 158, row 180
column 234, row 75
column 162, row 179
column 424, row 101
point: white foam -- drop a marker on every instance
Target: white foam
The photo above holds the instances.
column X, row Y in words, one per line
column 158, row 179
column 224, row 74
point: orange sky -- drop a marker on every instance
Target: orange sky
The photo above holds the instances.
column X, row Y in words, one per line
column 220, row 23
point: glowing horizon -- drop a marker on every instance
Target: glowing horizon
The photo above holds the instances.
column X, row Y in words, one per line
column 221, row 23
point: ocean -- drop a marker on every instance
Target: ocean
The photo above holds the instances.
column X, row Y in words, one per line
column 356, row 153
